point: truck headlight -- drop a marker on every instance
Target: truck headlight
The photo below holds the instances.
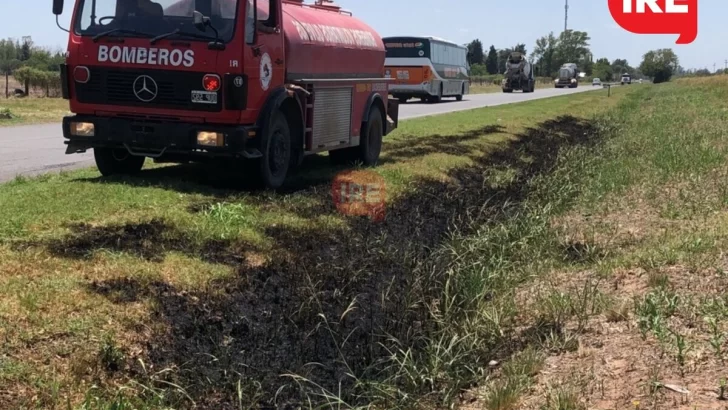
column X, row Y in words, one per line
column 210, row 139
column 82, row 129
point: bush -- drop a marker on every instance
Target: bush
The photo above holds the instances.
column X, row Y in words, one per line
column 49, row 81
column 5, row 114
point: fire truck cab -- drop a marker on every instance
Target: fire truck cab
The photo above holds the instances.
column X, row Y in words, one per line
column 263, row 81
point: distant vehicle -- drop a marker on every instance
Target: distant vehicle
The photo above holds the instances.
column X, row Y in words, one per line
column 568, row 76
column 596, row 81
column 428, row 68
column 639, row 81
column 626, row 79
column 518, row 75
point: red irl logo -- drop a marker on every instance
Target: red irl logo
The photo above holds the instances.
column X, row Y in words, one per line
column 658, row 17
column 359, row 192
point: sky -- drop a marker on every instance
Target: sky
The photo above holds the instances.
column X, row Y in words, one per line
column 502, row 23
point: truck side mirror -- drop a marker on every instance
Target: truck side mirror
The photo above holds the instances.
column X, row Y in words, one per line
column 200, row 21
column 57, row 7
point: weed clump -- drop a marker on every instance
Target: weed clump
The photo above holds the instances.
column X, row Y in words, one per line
column 6, row 114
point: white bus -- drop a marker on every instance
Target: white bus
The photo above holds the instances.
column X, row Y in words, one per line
column 428, row 68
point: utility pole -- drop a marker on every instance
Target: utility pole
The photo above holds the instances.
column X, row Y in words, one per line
column 566, row 15
column 713, row 67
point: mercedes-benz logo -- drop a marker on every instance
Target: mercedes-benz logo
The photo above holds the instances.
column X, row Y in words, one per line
column 145, row 88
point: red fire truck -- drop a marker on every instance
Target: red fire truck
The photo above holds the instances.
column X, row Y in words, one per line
column 263, row 81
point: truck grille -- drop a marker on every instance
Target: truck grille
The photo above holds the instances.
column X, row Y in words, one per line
column 116, row 87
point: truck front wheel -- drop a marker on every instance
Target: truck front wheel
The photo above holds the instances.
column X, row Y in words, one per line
column 111, row 161
column 276, row 149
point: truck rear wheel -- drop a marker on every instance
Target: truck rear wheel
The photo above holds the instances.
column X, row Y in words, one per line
column 112, row 161
column 462, row 92
column 272, row 167
column 371, row 142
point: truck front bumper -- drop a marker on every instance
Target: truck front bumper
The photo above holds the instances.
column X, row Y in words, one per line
column 155, row 138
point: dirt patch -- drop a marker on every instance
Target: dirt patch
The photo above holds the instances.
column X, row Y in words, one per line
column 616, row 366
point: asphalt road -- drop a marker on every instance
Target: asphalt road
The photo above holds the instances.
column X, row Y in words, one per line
column 37, row 149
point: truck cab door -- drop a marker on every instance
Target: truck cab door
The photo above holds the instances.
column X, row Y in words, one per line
column 264, row 54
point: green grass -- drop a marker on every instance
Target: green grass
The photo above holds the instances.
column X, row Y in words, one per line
column 172, row 287
column 32, row 110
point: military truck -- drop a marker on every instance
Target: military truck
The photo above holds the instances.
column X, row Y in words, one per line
column 518, row 75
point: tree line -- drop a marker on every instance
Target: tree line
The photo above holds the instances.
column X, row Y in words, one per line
column 34, row 67
column 571, row 46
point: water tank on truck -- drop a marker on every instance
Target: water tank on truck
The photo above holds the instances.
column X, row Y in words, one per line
column 265, row 82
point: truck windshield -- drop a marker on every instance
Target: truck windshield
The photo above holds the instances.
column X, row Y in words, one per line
column 148, row 18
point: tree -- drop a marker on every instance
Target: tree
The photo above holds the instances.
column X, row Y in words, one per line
column 703, row 72
column 25, row 49
column 620, row 66
column 491, row 62
column 544, row 54
column 573, row 47
column 475, row 52
column 660, row 65
column 478, row 70
column 520, row 48
column 603, row 69
column 503, row 56
column 8, row 61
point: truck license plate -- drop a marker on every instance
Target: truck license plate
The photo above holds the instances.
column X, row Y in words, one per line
column 204, row 97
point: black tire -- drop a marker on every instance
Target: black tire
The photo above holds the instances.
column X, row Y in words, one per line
column 436, row 99
column 370, row 144
column 111, row 161
column 507, row 90
column 272, row 168
column 462, row 93
column 403, row 100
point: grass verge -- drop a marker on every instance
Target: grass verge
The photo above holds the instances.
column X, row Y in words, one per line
column 32, row 110
column 169, row 289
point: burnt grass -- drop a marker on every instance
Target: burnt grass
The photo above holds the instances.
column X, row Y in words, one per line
column 328, row 302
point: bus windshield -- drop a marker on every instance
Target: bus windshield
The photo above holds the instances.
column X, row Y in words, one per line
column 148, row 18
column 407, row 48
